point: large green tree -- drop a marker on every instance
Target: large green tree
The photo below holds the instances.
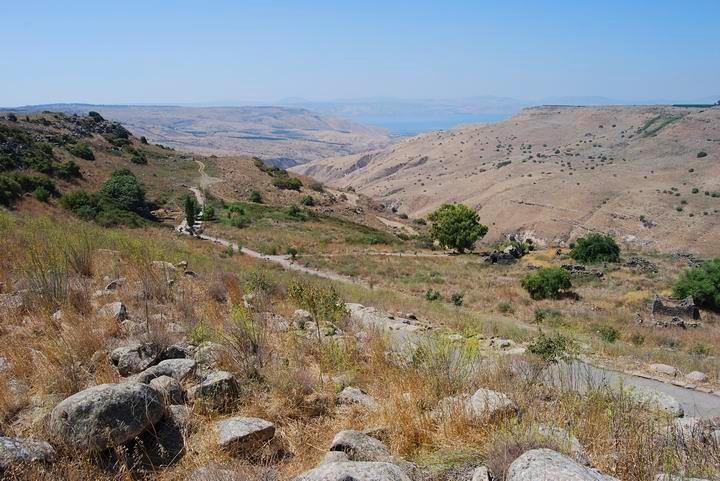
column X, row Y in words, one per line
column 456, row 226
column 702, row 283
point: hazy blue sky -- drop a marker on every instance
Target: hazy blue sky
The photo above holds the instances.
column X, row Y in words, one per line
column 219, row 51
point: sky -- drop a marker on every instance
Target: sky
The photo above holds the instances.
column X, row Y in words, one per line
column 225, row 52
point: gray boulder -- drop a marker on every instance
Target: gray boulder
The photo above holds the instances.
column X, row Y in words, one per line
column 171, row 390
column 564, row 441
column 489, row 404
column 217, row 390
column 356, row 471
column 300, row 318
column 359, row 446
column 664, row 369
column 106, row 415
column 659, row 401
column 696, row 376
column 546, row 464
column 164, row 444
column 134, row 358
column 17, row 451
column 244, row 435
column 353, row 395
column 178, row 369
column 481, row 474
column 114, row 310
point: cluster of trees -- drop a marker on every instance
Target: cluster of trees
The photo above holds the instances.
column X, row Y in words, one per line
column 119, row 201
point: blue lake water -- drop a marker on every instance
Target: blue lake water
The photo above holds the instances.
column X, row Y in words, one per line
column 408, row 127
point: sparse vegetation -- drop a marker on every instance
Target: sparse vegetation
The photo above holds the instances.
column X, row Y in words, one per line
column 702, row 284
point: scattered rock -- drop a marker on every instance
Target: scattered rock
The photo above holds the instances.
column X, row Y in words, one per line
column 660, row 401
column 685, row 310
column 696, row 376
column 353, row 395
column 498, row 257
column 579, row 270
column 178, row 369
column 301, row 317
column 244, row 435
column 334, row 457
column 217, row 390
column 359, row 447
column 545, row 464
column 481, row 474
column 114, row 310
column 164, row 444
column 216, row 473
column 664, row 369
column 565, row 441
column 16, row 452
column 106, row 415
column 170, row 388
column 112, row 285
column 208, row 354
column 134, row 358
column 640, row 264
column 356, row 471
column 489, row 404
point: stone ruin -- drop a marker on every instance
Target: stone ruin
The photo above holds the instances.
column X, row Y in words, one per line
column 667, row 313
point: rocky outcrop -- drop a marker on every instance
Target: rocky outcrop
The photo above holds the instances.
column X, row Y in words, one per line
column 359, row 446
column 114, row 310
column 134, row 358
column 178, row 369
column 16, row 452
column 684, row 310
column 658, row 400
column 216, row 391
column 545, row 464
column 105, row 415
column 352, row 395
column 171, row 390
column 564, row 441
column 244, row 435
column 164, row 444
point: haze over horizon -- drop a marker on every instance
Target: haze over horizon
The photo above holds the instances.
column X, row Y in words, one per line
column 264, row 52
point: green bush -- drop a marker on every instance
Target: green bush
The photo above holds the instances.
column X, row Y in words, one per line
column 608, row 334
column 595, row 248
column 81, row 203
column 552, row 349
column 123, row 191
column 10, row 190
column 432, row 295
column 68, row 170
column 256, row 197
column 542, row 314
column 547, row 283
column 287, row 183
column 457, row 298
column 456, row 226
column 308, row 201
column 702, row 283
column 505, row 307
column 82, row 151
column 42, row 194
column 637, row 340
column 138, row 157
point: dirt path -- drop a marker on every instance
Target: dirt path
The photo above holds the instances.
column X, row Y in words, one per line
column 694, row 403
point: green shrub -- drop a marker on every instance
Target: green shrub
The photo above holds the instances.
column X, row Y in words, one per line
column 552, row 349
column 68, row 170
column 544, row 313
column 308, row 201
column 10, row 190
column 702, row 283
column 82, row 151
column 608, row 334
column 256, row 197
column 595, row 248
column 457, row 298
column 42, row 194
column 287, row 183
column 456, row 226
column 701, row 350
column 637, row 339
column 432, row 295
column 547, row 283
column 292, row 252
column 123, row 191
column 505, row 307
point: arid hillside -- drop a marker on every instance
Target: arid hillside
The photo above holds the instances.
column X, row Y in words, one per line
column 279, row 135
column 648, row 175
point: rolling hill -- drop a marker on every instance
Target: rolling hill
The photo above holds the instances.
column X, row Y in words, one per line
column 282, row 136
column 649, row 175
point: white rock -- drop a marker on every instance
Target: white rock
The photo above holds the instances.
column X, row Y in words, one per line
column 664, row 369
column 697, row 376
